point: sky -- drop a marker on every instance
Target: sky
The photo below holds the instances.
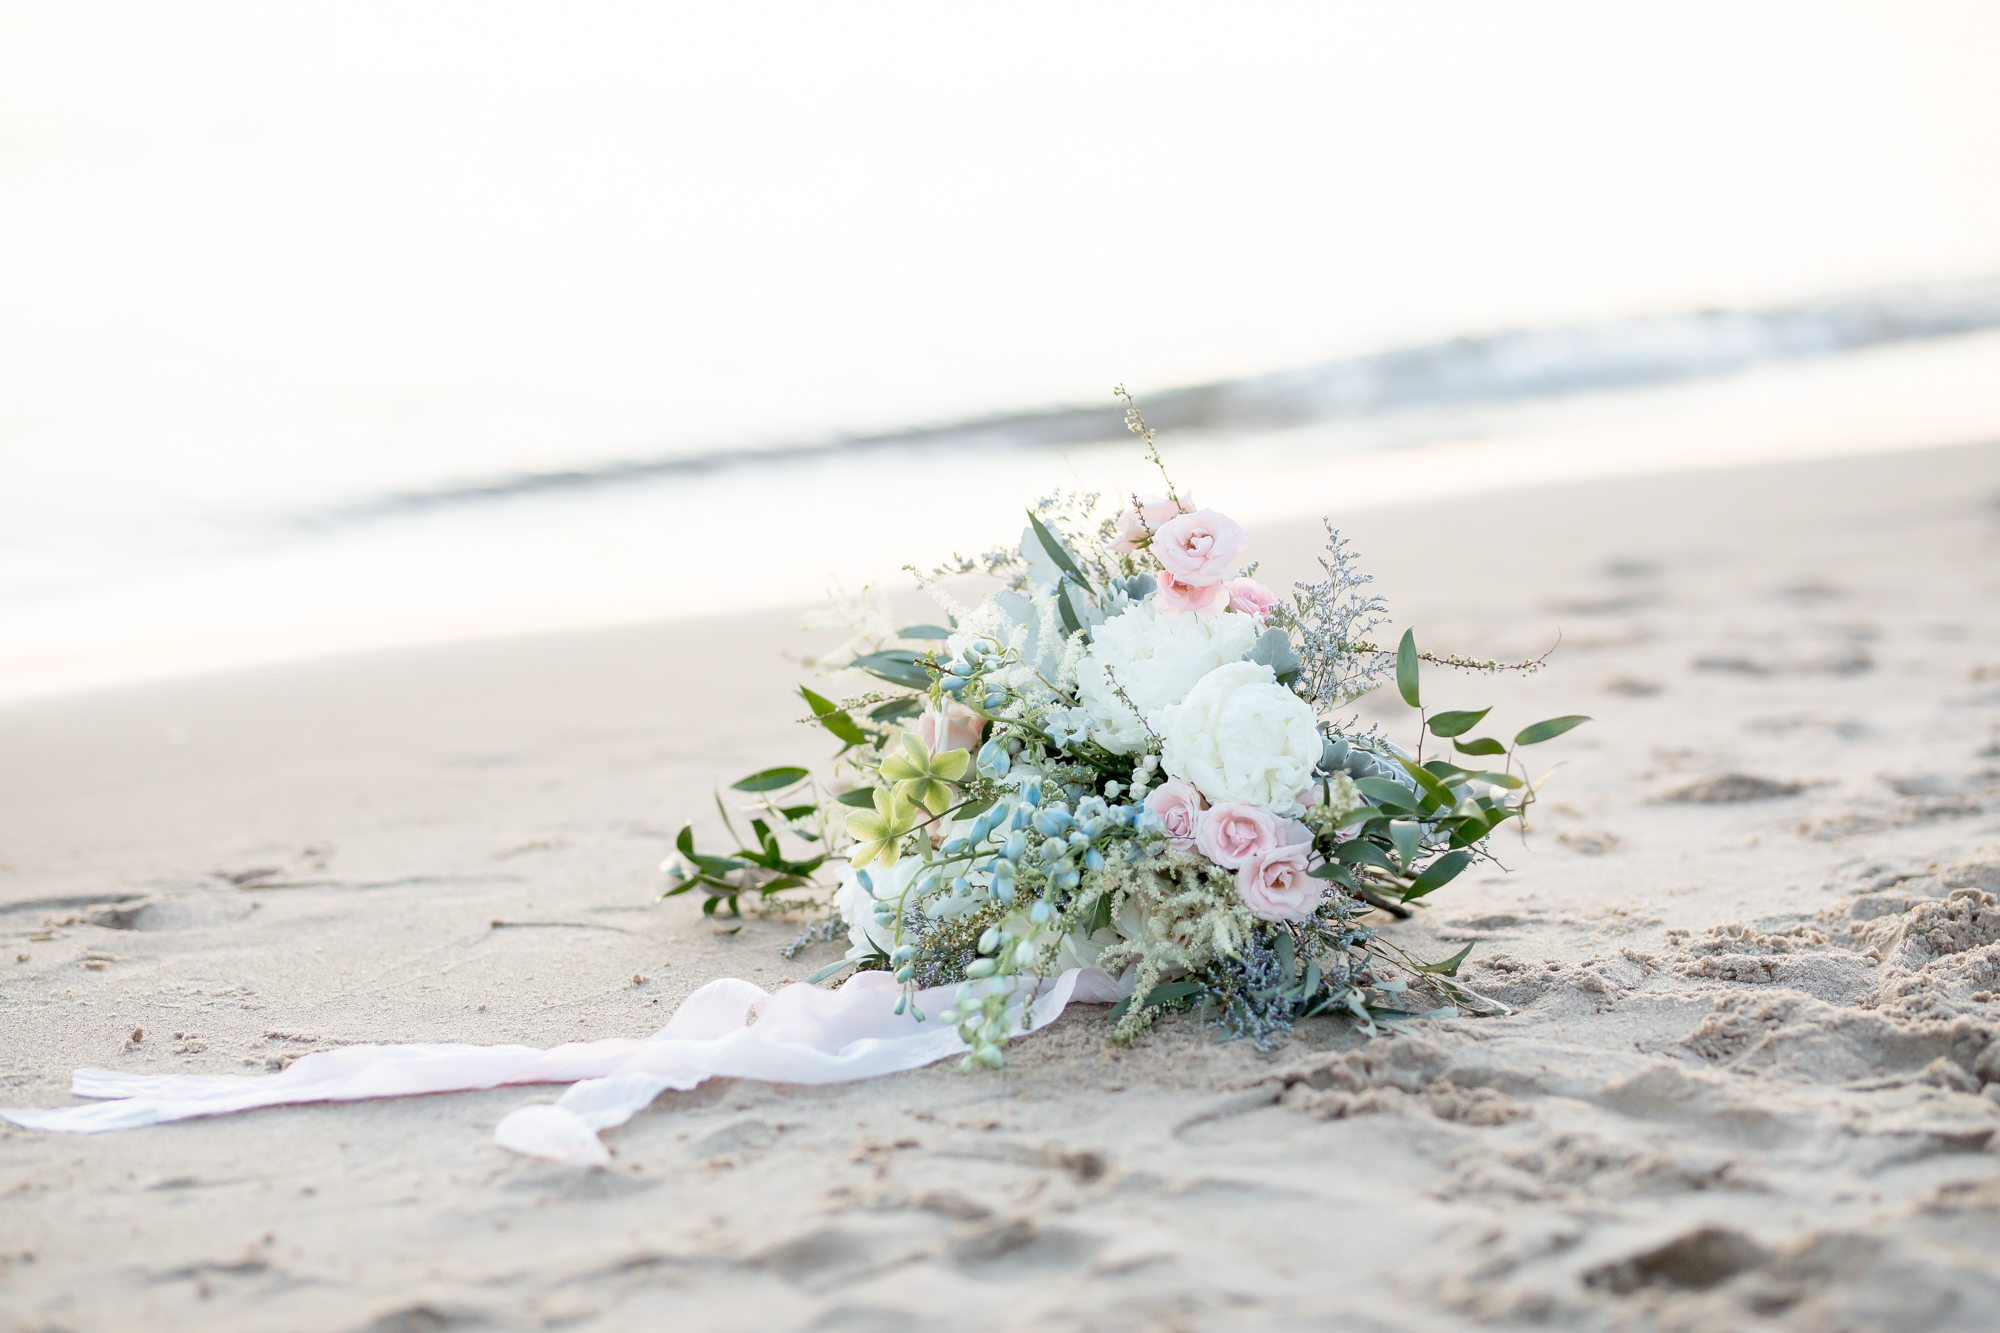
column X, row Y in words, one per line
column 320, row 245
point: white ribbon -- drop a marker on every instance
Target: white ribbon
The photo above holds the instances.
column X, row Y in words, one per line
column 802, row 1034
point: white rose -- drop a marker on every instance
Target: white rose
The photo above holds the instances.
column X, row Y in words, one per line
column 1156, row 657
column 1241, row 736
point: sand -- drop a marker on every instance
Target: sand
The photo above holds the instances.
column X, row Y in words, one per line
column 1752, row 940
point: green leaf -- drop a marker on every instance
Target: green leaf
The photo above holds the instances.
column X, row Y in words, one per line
column 1407, row 835
column 684, row 844
column 861, row 798
column 1057, row 551
column 923, row 632
column 1507, row 780
column 973, row 809
column 894, row 709
column 1447, row 967
column 1100, row 914
column 1428, row 781
column 1483, row 745
column 834, row 719
column 823, row 973
column 1549, row 730
column 1406, row 668
column 1439, row 873
column 1068, row 612
column 771, row 779
column 1334, row 871
column 898, row 666
column 1363, row 853
column 1387, row 792
column 1169, row 991
column 795, row 812
column 1456, row 723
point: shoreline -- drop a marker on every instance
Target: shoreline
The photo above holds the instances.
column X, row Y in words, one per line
column 554, row 570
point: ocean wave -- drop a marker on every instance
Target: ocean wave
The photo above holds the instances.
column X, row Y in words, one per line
column 1512, row 365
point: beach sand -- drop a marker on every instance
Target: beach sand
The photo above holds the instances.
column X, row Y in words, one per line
column 1751, row 940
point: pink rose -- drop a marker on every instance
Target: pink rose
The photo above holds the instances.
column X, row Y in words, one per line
column 1180, row 597
column 1230, row 833
column 961, row 727
column 1179, row 807
column 1199, row 548
column 1276, row 887
column 1137, row 524
column 1250, row 597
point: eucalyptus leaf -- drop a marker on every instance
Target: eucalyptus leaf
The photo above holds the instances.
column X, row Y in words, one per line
column 1482, row 745
column 1406, row 668
column 1407, row 836
column 1439, row 873
column 1071, row 622
column 1169, row 991
column 1548, row 730
column 1387, row 792
column 834, row 719
column 1449, row 967
column 898, row 666
column 1456, row 723
column 1057, row 551
column 895, row 709
column 771, row 779
column 823, row 973
column 923, row 632
column 1363, row 853
column 861, row 798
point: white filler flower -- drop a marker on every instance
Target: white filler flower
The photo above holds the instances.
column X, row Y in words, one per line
column 1156, row 656
column 865, row 935
column 1241, row 736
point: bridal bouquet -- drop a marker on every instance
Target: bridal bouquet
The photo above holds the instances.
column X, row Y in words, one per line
column 1123, row 775
column 1130, row 757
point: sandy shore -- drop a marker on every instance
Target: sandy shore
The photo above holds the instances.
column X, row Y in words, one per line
column 1743, row 1087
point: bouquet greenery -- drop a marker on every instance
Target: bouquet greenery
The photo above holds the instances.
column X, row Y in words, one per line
column 1130, row 757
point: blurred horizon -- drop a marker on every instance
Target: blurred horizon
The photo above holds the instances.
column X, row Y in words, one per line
column 260, row 264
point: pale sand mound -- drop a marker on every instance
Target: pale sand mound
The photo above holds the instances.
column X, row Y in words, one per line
column 1753, row 1080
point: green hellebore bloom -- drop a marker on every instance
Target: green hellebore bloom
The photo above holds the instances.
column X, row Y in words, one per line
column 924, row 778
column 880, row 833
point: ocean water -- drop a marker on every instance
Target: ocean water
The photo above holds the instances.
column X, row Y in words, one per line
column 157, row 569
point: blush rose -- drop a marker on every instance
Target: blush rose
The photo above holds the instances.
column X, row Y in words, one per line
column 1275, row 885
column 1231, row 833
column 957, row 728
column 1251, row 598
column 1178, row 806
column 1199, row 549
column 1144, row 517
column 1181, row 598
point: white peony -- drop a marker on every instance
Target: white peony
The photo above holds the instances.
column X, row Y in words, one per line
column 1156, row 657
column 1241, row 736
